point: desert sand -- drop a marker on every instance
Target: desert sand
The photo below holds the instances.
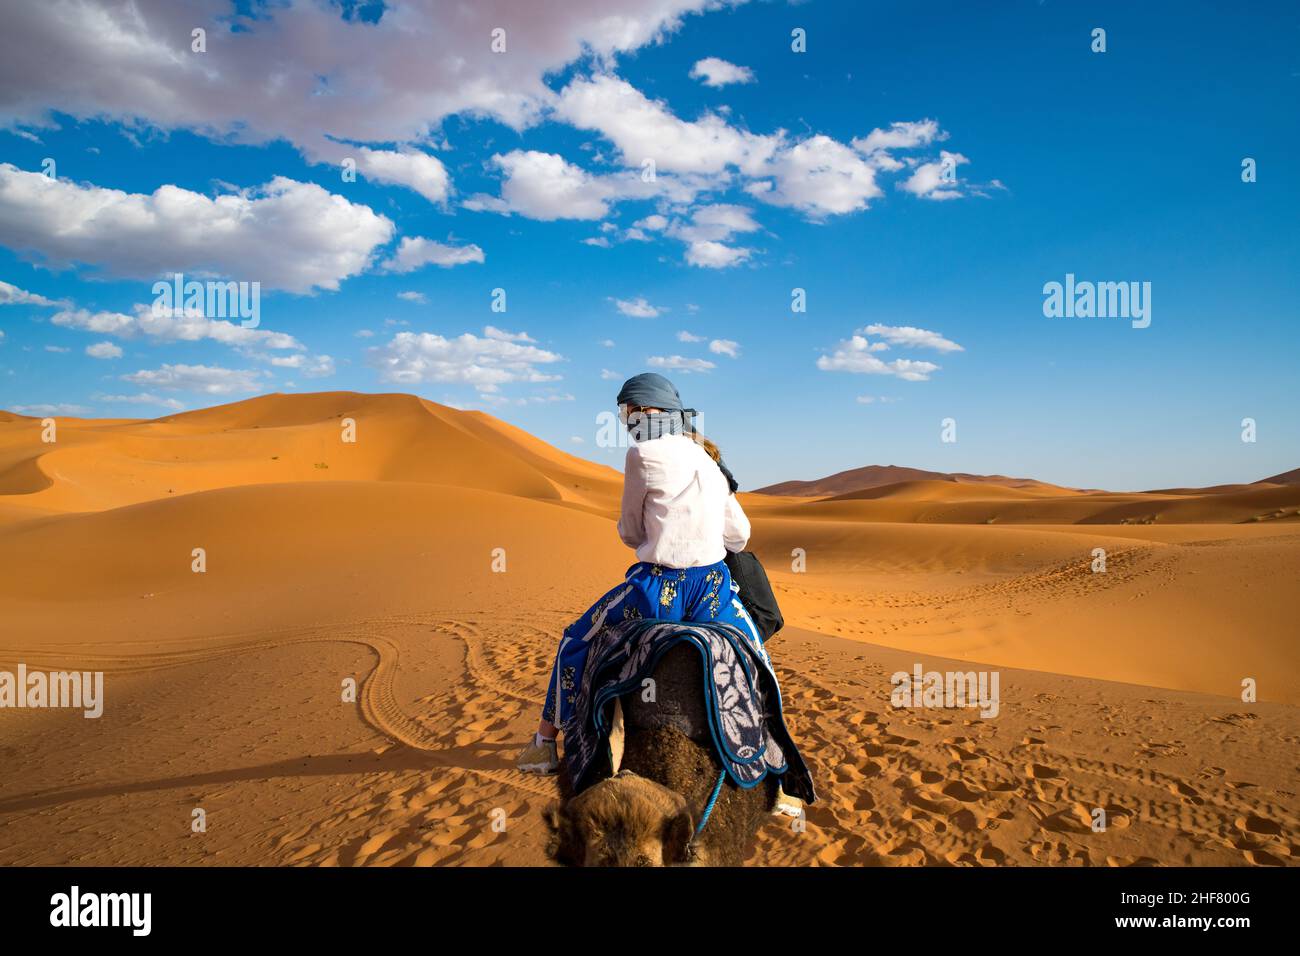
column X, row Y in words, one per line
column 374, row 561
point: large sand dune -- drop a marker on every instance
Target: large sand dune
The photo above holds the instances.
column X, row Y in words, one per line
column 374, row 560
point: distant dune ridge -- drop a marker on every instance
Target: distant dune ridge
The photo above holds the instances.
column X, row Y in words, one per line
column 437, row 559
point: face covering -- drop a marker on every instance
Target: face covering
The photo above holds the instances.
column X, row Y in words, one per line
column 651, row 390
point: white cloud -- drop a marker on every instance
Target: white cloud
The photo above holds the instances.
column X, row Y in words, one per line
column 416, row 253
column 714, row 255
column 706, row 232
column 546, row 187
column 364, row 333
column 307, row 73
column 12, row 295
column 314, row 366
column 61, row 408
column 652, row 223
column 909, row 336
column 637, row 308
column 492, row 332
column 407, row 167
column 419, row 297
column 927, row 180
column 207, row 379
column 488, row 362
column 607, row 374
column 642, row 129
column 168, row 325
column 142, row 398
column 285, row 234
column 57, row 348
column 855, row 355
column 725, row 347
column 679, row 363
column 819, row 176
column 684, row 336
column 712, row 71
column 903, row 135
column 104, row 350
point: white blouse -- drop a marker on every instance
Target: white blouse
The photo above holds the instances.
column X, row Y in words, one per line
column 677, row 508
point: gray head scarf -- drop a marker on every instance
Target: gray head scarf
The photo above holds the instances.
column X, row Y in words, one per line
column 650, row 390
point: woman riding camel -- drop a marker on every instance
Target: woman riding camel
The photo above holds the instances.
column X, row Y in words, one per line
column 681, row 516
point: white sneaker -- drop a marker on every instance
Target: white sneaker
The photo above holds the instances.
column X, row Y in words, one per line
column 786, row 805
column 540, row 756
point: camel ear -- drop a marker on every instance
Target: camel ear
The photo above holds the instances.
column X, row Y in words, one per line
column 677, row 834
column 558, row 824
column 552, row 817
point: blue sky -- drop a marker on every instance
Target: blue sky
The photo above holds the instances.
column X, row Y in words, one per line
column 522, row 170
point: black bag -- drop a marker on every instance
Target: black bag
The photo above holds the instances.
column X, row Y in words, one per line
column 755, row 592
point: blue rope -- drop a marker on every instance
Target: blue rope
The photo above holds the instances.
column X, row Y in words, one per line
column 708, row 807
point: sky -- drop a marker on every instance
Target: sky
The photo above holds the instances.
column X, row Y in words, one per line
column 512, row 207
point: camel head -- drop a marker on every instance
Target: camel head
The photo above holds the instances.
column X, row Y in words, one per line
column 626, row 820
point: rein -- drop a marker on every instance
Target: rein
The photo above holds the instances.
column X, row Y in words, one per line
column 708, row 811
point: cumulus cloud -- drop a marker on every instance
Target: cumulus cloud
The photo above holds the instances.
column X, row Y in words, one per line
column 857, row 355
column 928, row 179
column 12, row 295
column 706, row 232
column 413, row 297
column 642, row 129
column 205, row 379
column 684, row 336
column 546, row 187
column 285, row 234
column 406, row 167
column 142, row 398
column 819, row 176
column 486, row 362
column 307, row 72
column 903, row 135
column 416, row 253
column 60, row 408
column 911, row 337
column 712, row 71
column 638, row 308
column 104, row 350
column 172, row 325
column 714, row 255
column 312, row 366
column 725, row 347
column 679, row 363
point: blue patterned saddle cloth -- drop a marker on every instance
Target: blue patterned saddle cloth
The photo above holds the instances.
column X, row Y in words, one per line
column 742, row 699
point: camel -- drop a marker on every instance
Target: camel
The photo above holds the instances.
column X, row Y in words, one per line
column 647, row 812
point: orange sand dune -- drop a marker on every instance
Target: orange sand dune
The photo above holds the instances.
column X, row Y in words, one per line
column 286, row 438
column 380, row 561
column 873, row 476
column 951, row 503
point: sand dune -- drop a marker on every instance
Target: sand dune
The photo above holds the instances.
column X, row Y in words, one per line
column 375, row 561
column 873, row 476
column 285, row 438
